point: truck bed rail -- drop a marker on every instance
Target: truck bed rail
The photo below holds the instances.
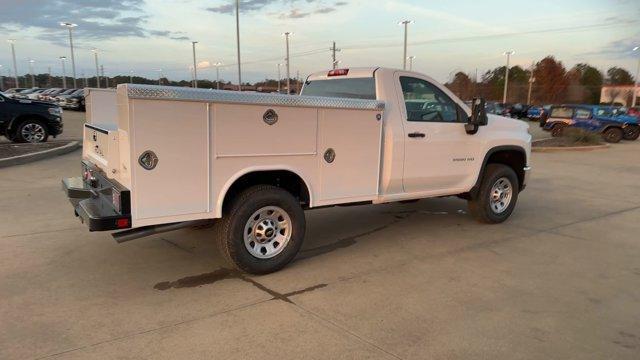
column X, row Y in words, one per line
column 170, row 93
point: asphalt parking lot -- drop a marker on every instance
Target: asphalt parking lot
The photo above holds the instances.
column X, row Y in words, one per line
column 559, row 280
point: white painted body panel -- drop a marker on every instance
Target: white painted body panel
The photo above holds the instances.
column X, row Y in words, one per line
column 204, row 146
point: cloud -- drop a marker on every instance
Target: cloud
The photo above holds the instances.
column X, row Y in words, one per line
column 621, row 48
column 96, row 19
column 310, row 7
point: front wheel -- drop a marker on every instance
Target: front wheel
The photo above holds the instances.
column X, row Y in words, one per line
column 31, row 131
column 262, row 231
column 497, row 195
column 632, row 133
column 558, row 130
column 613, row 135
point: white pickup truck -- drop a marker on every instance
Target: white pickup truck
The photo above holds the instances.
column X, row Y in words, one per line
column 160, row 158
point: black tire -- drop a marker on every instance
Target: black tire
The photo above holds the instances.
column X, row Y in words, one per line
column 632, row 133
column 480, row 206
column 231, row 229
column 612, row 135
column 558, row 130
column 19, row 136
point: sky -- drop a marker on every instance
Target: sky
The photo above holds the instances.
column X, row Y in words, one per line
column 144, row 36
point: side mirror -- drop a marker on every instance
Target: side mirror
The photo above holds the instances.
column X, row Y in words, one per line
column 478, row 116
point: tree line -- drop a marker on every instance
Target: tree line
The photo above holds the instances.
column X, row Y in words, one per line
column 553, row 83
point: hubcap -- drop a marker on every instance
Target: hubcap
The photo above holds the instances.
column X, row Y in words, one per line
column 500, row 196
column 267, row 232
column 33, row 133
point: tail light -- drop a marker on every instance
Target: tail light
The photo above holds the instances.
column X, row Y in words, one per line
column 338, row 72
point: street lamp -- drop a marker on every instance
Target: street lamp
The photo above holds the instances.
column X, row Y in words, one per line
column 195, row 67
column 238, row 44
column 506, row 76
column 64, row 72
column 1, row 78
column 33, row 79
column 217, row 65
column 15, row 66
column 160, row 76
column 410, row 58
column 288, row 62
column 131, row 77
column 95, row 56
column 70, row 26
column 279, row 78
column 333, row 52
column 635, row 84
column 405, row 23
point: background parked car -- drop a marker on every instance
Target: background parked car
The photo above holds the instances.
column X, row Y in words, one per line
column 73, row 101
column 598, row 119
column 493, row 107
column 50, row 95
column 24, row 94
column 29, row 121
column 11, row 92
column 518, row 110
column 60, row 97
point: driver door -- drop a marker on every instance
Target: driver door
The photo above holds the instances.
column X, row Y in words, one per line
column 439, row 154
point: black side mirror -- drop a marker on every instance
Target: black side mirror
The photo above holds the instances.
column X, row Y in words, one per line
column 478, row 116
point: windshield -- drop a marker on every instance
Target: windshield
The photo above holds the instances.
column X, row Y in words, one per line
column 353, row 88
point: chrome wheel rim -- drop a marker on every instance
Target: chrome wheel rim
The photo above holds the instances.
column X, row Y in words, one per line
column 500, row 195
column 33, row 132
column 267, row 232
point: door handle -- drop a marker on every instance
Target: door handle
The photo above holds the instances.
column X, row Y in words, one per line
column 417, row 135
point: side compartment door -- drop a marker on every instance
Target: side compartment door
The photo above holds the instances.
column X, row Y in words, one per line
column 439, row 154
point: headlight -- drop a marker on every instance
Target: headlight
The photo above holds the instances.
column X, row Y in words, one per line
column 55, row 111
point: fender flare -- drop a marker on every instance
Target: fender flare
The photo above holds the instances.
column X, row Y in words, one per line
column 476, row 187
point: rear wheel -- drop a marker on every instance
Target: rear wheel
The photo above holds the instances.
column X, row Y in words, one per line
column 31, row 131
column 558, row 130
column 262, row 231
column 632, row 133
column 612, row 135
column 497, row 195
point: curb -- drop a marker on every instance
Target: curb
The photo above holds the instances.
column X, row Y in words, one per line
column 569, row 148
column 40, row 155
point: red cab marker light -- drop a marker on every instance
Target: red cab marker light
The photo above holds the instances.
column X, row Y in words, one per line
column 122, row 223
column 338, row 72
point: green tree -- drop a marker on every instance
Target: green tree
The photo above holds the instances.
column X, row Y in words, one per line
column 551, row 80
column 591, row 79
column 619, row 76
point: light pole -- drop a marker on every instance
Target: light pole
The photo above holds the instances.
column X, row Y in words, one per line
column 131, row 77
column 33, row 79
column 84, row 80
column 70, row 26
column 217, row 65
column 195, row 67
column 1, row 78
column 95, row 56
column 279, row 78
column 64, row 72
column 288, row 62
column 410, row 58
column 15, row 65
column 531, row 81
column 406, row 28
column 506, row 75
column 160, row 77
column 106, row 78
column 238, row 44
column 635, row 84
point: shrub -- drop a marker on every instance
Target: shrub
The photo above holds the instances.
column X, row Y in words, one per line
column 577, row 136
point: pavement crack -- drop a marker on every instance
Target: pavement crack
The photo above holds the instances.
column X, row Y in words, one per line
column 176, row 245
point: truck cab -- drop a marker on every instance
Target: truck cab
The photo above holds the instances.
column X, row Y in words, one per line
column 166, row 158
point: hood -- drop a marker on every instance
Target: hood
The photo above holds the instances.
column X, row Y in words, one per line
column 498, row 122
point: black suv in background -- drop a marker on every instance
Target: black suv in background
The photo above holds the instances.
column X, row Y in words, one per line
column 29, row 121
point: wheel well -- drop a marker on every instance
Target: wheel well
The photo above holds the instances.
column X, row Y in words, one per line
column 22, row 118
column 284, row 179
column 512, row 158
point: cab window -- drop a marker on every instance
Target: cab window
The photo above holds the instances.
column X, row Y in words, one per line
column 425, row 102
column 583, row 114
column 561, row 112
